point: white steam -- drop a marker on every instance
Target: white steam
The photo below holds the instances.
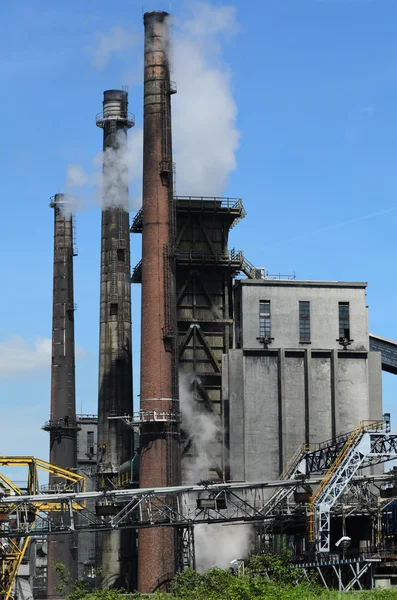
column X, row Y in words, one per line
column 107, row 44
column 204, row 112
column 205, row 135
column 215, row 545
column 203, row 430
column 218, row 545
column 121, row 167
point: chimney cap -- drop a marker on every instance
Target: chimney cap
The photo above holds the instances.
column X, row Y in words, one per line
column 155, row 15
column 57, row 199
column 115, row 95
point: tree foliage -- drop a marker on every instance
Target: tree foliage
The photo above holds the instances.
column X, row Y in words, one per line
column 266, row 577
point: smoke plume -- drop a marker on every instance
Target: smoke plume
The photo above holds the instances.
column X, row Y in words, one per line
column 204, row 111
column 202, row 429
column 121, row 170
column 218, row 545
column 215, row 545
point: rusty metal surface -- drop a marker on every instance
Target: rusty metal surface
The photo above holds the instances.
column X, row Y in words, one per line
column 159, row 458
column 63, row 450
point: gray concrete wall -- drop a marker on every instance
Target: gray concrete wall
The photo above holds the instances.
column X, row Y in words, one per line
column 352, row 393
column 320, row 405
column 284, row 299
column 261, row 418
column 291, row 393
column 375, row 385
column 294, row 403
column 233, row 368
column 268, row 402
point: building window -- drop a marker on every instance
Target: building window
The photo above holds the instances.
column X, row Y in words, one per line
column 264, row 319
column 90, row 442
column 238, row 325
column 344, row 320
column 304, row 321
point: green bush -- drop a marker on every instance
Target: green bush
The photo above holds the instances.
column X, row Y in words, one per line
column 285, row 583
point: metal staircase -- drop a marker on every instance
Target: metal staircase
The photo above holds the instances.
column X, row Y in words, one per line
column 371, row 443
column 11, row 555
column 291, row 471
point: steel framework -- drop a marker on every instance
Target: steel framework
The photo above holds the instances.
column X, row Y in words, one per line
column 12, row 516
column 370, row 444
column 349, row 572
column 182, row 506
column 31, row 511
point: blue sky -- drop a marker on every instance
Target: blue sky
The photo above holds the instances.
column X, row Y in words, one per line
column 298, row 98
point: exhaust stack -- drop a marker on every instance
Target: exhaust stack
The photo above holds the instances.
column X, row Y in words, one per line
column 115, row 357
column 159, row 441
column 62, row 425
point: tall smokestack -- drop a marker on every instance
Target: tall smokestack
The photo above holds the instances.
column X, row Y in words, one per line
column 115, row 360
column 62, row 424
column 159, row 443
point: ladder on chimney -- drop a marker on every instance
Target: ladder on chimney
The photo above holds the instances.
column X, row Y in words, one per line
column 165, row 164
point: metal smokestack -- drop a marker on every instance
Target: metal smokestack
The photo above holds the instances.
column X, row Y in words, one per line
column 159, row 443
column 115, row 359
column 62, row 424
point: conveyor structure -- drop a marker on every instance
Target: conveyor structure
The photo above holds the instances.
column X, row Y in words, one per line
column 329, row 469
column 388, row 350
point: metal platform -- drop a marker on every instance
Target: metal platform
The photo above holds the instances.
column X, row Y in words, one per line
column 200, row 204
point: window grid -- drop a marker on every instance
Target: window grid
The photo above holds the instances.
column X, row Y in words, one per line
column 264, row 319
column 304, row 321
column 344, row 320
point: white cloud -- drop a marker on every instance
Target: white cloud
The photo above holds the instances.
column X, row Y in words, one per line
column 107, row 44
column 19, row 356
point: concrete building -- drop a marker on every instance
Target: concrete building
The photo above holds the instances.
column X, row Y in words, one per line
column 301, row 371
column 87, row 445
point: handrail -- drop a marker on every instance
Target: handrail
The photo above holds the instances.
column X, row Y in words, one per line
column 224, row 202
column 301, row 450
column 128, row 117
column 362, row 428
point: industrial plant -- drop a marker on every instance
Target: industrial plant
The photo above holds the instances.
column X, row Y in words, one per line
column 260, row 397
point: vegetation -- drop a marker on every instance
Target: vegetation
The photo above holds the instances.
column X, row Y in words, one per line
column 285, row 583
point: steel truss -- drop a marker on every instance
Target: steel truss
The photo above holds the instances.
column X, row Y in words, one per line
column 24, row 516
column 183, row 506
column 370, row 444
column 349, row 573
column 31, row 512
